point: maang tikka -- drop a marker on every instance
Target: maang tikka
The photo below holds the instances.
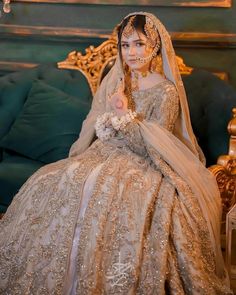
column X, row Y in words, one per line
column 129, row 28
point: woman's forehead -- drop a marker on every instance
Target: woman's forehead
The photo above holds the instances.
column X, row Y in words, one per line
column 136, row 35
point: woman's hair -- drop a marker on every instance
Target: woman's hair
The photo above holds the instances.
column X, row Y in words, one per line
column 138, row 24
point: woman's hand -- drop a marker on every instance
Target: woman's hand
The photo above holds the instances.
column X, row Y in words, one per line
column 119, row 102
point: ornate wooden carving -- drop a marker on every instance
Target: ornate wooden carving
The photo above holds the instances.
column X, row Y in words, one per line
column 93, row 62
column 225, row 170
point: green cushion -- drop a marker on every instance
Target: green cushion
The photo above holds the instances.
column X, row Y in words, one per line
column 14, row 171
column 9, row 106
column 210, row 102
column 3, row 208
column 14, row 89
column 48, row 124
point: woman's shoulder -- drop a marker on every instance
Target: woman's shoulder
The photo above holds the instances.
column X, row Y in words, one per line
column 159, row 85
column 165, row 91
column 158, row 79
column 165, row 85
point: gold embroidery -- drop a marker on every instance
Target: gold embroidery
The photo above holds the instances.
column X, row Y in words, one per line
column 142, row 228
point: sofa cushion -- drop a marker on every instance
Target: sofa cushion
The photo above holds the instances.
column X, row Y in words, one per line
column 48, row 124
column 13, row 92
column 210, row 102
column 14, row 89
column 14, row 171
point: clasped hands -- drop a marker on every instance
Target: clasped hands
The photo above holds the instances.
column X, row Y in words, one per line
column 119, row 101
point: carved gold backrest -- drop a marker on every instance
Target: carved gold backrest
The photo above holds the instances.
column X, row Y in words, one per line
column 95, row 59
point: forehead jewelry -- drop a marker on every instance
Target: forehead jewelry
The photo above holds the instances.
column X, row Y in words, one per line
column 129, row 28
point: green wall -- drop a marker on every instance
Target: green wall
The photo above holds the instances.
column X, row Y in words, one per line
column 210, row 19
column 42, row 32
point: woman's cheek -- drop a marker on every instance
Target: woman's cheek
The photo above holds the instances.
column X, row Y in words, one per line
column 123, row 52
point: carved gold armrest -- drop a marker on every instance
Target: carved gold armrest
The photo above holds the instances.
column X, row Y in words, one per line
column 226, row 179
column 225, row 171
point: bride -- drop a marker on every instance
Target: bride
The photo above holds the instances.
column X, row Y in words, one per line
column 132, row 210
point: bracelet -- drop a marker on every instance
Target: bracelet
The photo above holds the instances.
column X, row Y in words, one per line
column 108, row 124
column 103, row 127
column 119, row 123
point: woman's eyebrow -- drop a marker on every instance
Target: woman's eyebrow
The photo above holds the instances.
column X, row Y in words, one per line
column 137, row 40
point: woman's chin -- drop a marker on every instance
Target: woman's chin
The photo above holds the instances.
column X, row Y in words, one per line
column 134, row 66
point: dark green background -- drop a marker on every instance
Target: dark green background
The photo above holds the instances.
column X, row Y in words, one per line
column 39, row 48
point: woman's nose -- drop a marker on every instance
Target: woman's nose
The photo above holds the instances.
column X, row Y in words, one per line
column 131, row 50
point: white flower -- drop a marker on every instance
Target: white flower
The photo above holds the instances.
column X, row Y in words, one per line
column 120, row 123
column 108, row 124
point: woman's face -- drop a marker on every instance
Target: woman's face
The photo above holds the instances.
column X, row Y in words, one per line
column 133, row 47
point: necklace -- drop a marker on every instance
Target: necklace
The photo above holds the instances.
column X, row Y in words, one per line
column 134, row 82
column 144, row 74
column 132, row 85
column 135, row 79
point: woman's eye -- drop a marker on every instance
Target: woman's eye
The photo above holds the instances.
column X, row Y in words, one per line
column 140, row 44
column 124, row 46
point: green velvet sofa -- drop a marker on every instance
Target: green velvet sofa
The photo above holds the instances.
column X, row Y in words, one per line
column 41, row 113
column 42, row 110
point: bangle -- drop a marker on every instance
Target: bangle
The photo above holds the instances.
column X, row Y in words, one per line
column 108, row 124
column 119, row 123
column 103, row 127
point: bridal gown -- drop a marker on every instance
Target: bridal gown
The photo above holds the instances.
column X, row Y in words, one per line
column 115, row 219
